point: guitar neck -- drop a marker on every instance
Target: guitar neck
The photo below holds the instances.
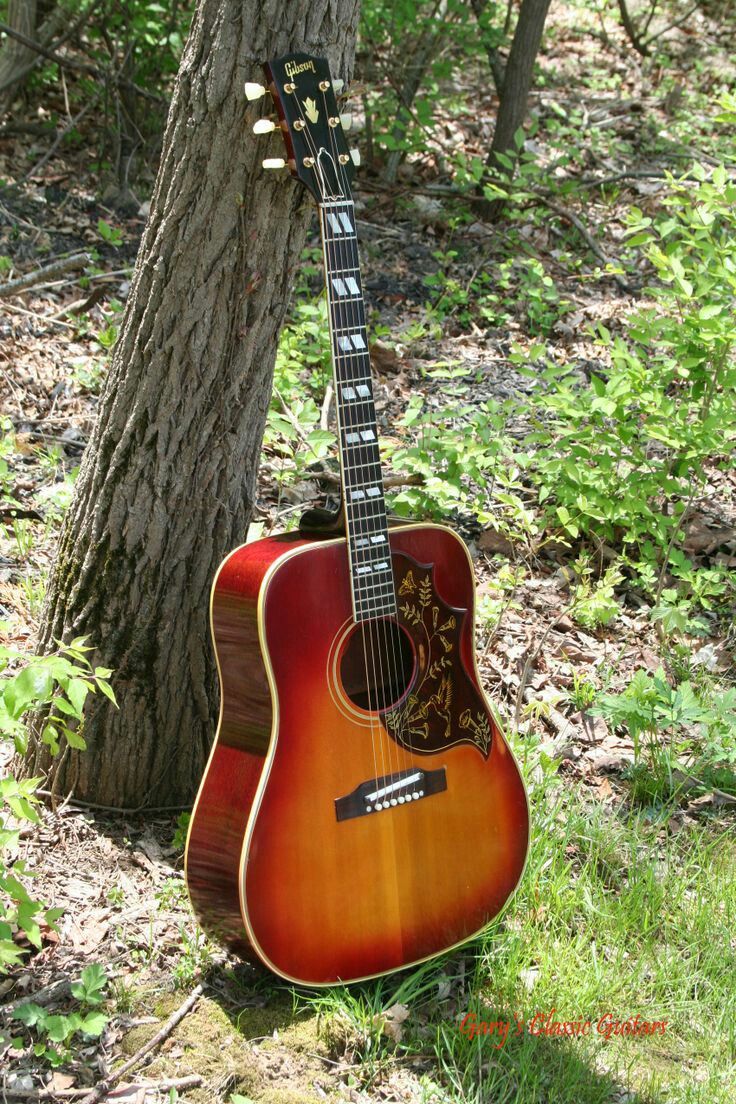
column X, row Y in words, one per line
column 360, row 461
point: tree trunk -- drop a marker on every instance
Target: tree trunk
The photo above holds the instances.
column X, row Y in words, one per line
column 14, row 56
column 517, row 79
column 167, row 482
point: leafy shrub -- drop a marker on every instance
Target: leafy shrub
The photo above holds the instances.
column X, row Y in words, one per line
column 621, row 454
column 680, row 732
column 51, row 1034
column 58, row 683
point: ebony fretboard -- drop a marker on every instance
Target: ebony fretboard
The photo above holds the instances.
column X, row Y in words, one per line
column 362, row 484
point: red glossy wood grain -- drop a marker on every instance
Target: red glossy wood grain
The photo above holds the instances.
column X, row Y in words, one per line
column 322, row 900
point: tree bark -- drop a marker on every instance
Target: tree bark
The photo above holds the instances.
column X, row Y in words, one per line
column 517, row 79
column 167, row 483
column 14, row 56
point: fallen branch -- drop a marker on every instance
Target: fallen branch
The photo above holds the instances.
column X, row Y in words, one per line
column 56, row 268
column 191, row 1081
column 61, row 135
column 55, row 991
column 103, row 1087
column 593, row 245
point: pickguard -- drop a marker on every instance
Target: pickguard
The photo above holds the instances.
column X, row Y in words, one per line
column 443, row 707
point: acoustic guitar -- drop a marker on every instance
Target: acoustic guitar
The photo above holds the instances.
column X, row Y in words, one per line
column 361, row 810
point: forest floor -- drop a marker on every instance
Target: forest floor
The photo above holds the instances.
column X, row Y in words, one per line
column 628, row 904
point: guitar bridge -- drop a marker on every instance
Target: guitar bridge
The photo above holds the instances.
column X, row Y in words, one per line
column 390, row 791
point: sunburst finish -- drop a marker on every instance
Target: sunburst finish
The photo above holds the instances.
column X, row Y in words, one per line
column 270, row 868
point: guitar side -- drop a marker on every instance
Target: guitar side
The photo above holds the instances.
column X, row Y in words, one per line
column 225, row 797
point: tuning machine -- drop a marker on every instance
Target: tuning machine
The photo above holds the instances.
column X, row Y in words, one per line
column 273, row 163
column 254, row 91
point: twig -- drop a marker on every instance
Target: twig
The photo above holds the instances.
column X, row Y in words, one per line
column 36, row 317
column 53, row 45
column 122, row 811
column 55, row 991
column 191, row 1081
column 593, row 245
column 56, row 268
column 531, row 659
column 60, row 138
column 103, row 1087
column 324, row 418
column 79, row 66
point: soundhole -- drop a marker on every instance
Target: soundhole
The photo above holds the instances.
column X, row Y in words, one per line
column 377, row 664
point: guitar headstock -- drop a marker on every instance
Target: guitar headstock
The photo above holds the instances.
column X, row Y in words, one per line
column 305, row 98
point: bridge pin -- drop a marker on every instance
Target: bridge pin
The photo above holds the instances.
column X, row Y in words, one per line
column 393, row 801
column 369, row 808
column 401, row 800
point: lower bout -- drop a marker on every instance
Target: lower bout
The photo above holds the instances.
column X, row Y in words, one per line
column 346, row 901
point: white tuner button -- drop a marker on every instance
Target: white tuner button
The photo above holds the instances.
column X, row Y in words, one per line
column 355, row 156
column 346, row 120
column 264, row 126
column 274, row 163
column 254, row 91
column 338, row 85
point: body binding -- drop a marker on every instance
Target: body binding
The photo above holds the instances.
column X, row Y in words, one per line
column 276, row 868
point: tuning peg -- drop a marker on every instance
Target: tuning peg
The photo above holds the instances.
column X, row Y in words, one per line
column 254, row 91
column 355, row 156
column 346, row 120
column 264, row 126
column 338, row 86
column 274, row 163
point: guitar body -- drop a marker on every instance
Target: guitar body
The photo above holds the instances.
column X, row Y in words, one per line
column 352, row 820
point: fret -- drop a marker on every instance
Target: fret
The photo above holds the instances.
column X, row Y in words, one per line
column 358, row 426
column 340, row 237
column 369, row 549
column 363, row 504
column 372, row 600
column 376, row 464
column 379, row 611
column 342, row 355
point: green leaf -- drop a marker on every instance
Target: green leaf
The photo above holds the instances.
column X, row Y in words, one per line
column 93, row 1023
column 76, row 692
column 33, row 686
column 58, row 1028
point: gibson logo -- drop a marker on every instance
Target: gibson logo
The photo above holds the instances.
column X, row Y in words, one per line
column 292, row 67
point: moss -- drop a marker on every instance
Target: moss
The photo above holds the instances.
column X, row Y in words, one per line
column 218, row 1045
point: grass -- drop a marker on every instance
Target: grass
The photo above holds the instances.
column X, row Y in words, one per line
column 618, row 916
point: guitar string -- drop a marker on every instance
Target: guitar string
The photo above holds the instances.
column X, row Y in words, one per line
column 378, row 626
column 373, row 720
column 391, row 630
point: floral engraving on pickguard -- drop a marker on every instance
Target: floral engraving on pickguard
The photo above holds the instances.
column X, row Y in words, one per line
column 479, row 726
column 428, row 706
